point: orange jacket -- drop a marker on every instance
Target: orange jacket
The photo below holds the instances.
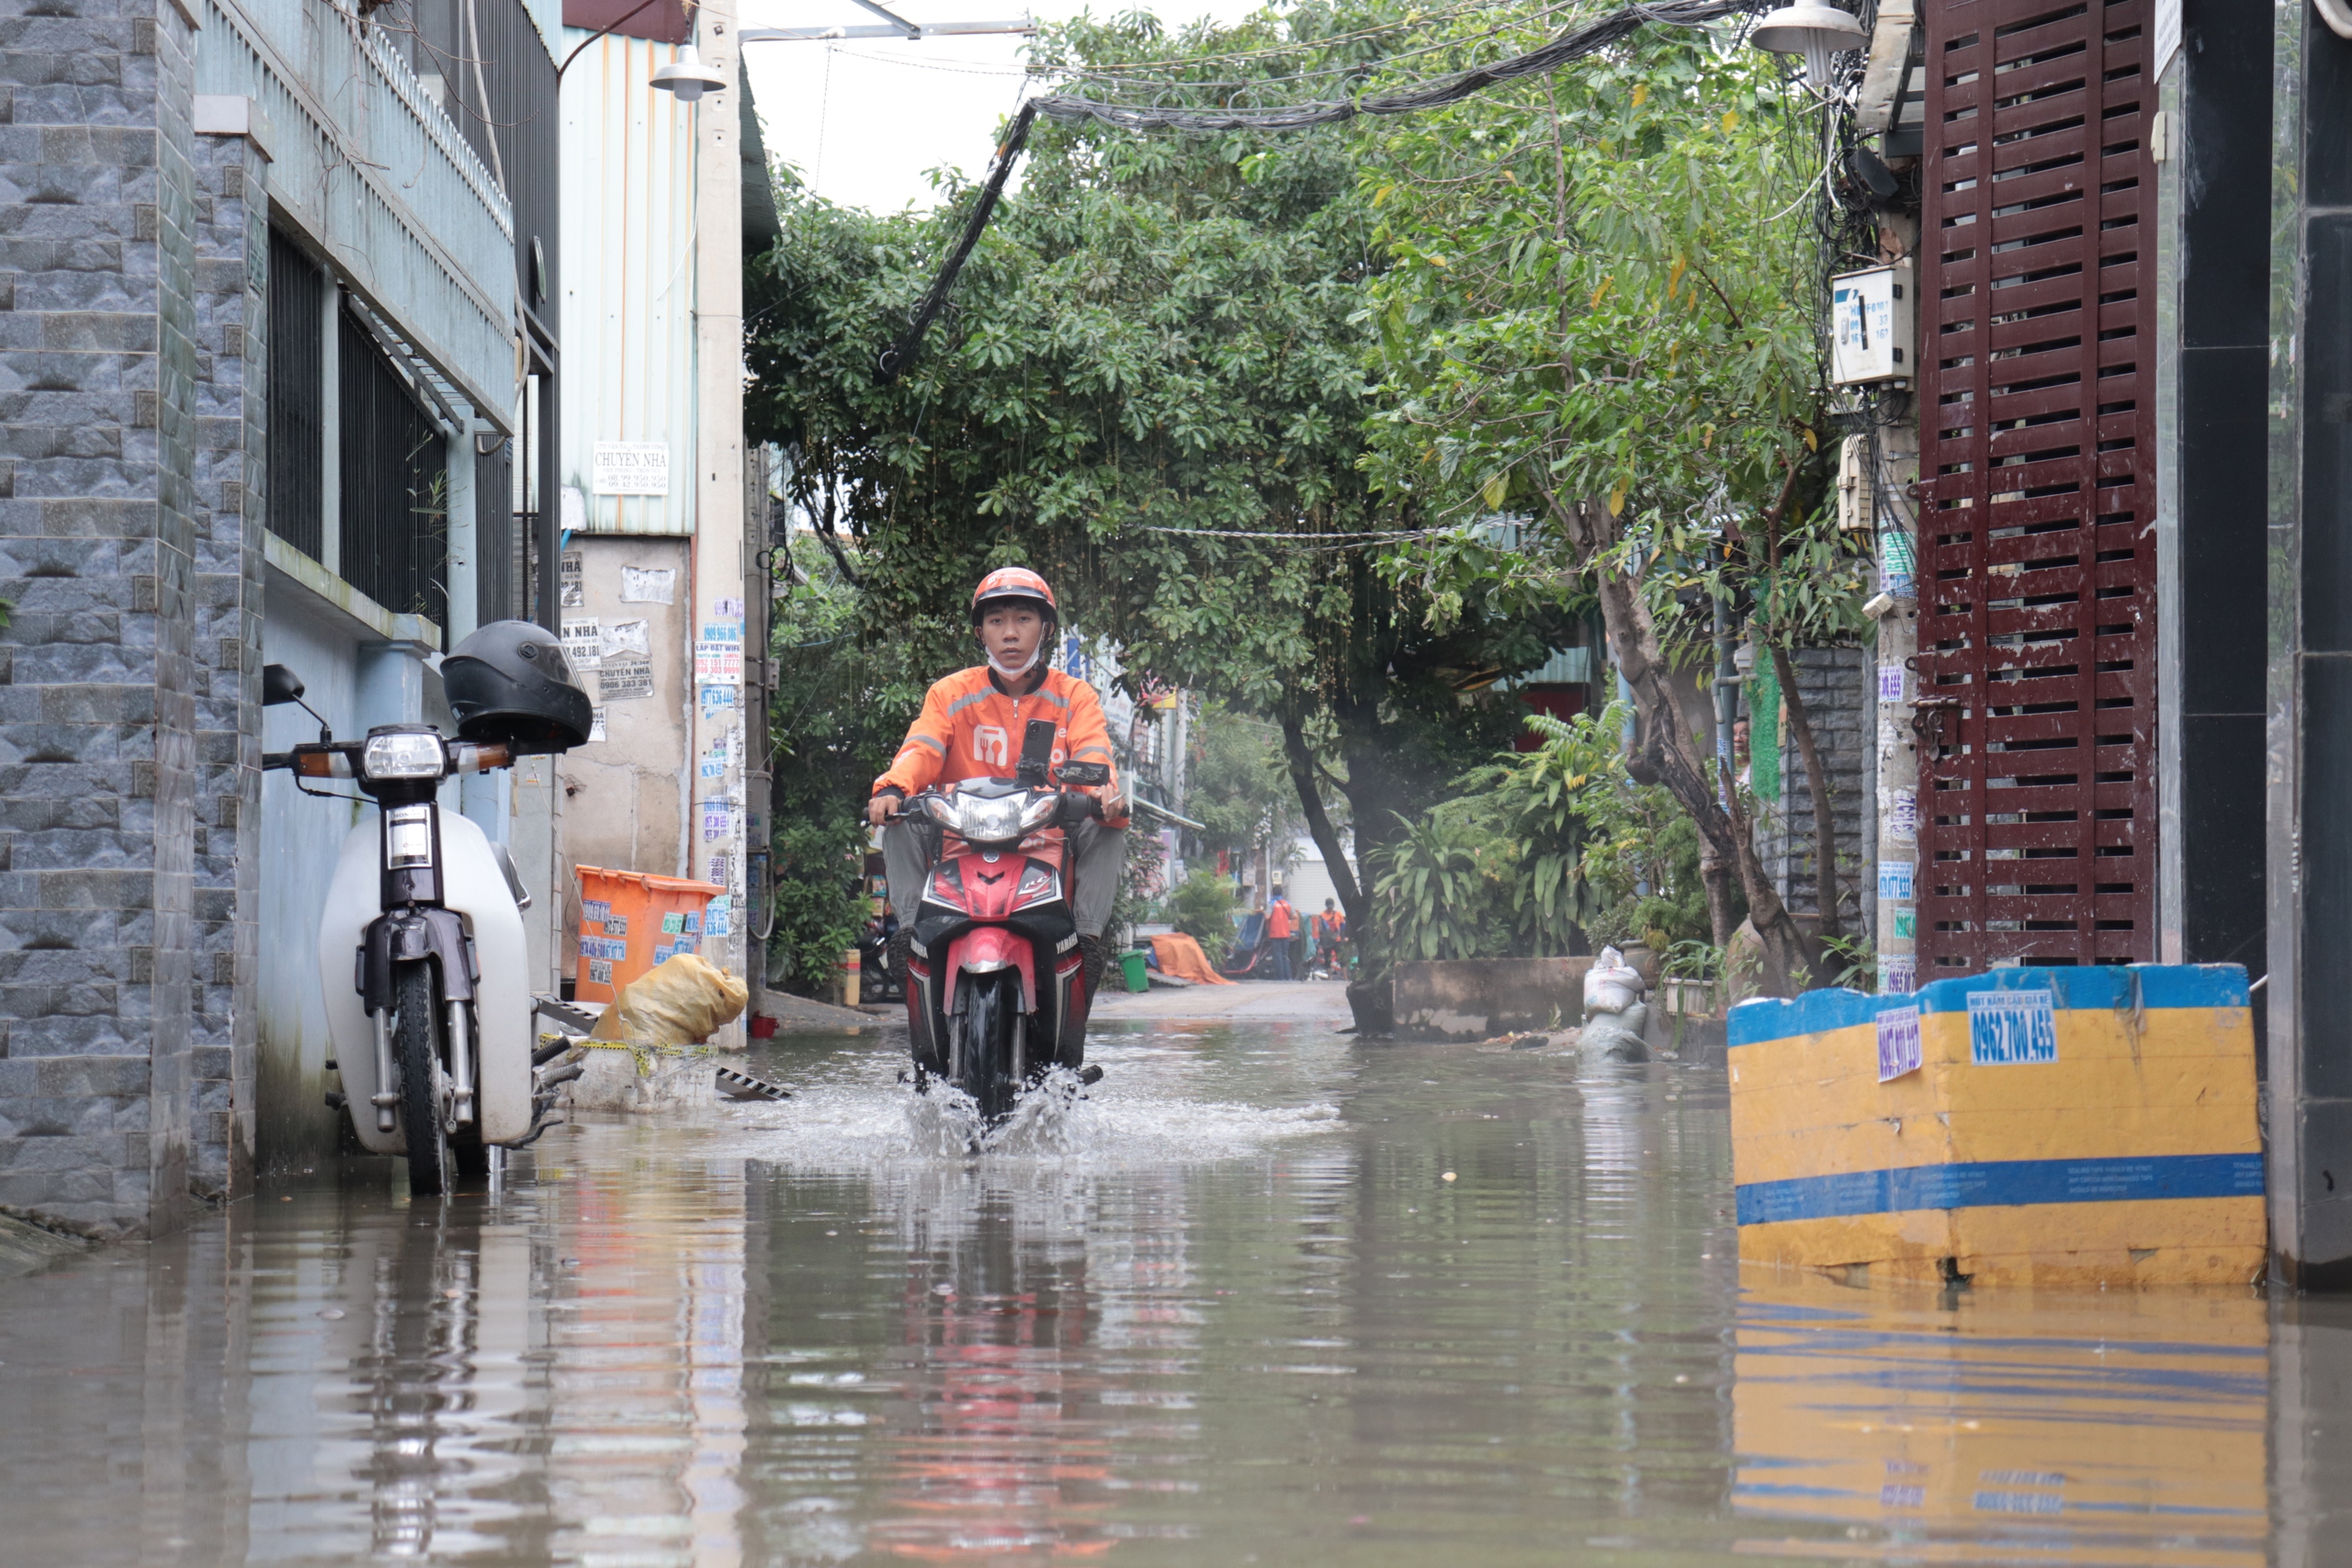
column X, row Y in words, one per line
column 970, row 728
column 1282, row 921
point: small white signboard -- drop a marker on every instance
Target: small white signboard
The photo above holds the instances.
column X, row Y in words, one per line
column 1898, row 973
column 1899, row 814
column 648, row 585
column 1898, row 1042
column 2166, row 42
column 630, row 468
column 627, row 636
column 583, row 644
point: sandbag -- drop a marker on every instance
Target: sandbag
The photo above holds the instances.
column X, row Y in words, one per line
column 1616, row 1036
column 678, row 1002
column 1611, row 985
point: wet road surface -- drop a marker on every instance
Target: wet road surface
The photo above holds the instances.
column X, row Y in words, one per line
column 1267, row 1296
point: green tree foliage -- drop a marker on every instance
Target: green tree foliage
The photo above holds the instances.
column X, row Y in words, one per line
column 1202, row 907
column 1237, row 784
column 843, row 701
column 1542, row 848
column 1601, row 312
column 1159, row 341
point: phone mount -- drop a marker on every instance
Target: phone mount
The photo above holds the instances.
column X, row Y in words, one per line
column 1037, row 751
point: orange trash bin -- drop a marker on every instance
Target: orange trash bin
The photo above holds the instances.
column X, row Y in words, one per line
column 630, row 921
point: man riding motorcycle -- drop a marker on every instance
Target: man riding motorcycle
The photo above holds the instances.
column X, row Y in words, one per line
column 971, row 728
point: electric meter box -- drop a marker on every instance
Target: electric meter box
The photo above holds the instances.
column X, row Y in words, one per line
column 1871, row 315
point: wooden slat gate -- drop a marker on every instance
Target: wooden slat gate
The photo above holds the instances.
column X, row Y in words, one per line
column 2037, row 409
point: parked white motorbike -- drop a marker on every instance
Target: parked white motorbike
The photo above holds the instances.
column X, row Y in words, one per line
column 421, row 953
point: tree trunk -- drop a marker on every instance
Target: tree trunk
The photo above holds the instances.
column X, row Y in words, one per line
column 1369, row 997
column 1319, row 824
column 1816, row 784
column 1727, row 837
column 1715, row 876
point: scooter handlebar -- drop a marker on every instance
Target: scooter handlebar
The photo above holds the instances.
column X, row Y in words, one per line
column 1076, row 807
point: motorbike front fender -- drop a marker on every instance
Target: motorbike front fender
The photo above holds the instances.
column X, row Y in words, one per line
column 990, row 948
column 475, row 889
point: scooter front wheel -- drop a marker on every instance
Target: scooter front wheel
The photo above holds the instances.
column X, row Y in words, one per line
column 416, row 1048
column 983, row 1065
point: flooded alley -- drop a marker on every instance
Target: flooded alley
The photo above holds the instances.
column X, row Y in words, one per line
column 1268, row 1296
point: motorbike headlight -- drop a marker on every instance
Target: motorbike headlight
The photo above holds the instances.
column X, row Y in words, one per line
column 1038, row 812
column 990, row 822
column 416, row 755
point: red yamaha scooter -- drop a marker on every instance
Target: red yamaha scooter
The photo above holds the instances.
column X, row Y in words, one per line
column 995, row 992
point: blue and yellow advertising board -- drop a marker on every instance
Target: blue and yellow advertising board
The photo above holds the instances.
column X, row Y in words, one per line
column 2058, row 1126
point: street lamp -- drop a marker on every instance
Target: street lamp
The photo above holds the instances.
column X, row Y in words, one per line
column 687, row 77
column 1813, row 30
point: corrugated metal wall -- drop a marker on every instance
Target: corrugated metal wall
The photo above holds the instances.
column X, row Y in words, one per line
column 628, row 277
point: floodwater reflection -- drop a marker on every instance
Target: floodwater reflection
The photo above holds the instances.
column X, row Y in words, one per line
column 1267, row 1296
column 2082, row 1428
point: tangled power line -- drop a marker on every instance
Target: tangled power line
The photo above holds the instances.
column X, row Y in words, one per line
column 1075, row 109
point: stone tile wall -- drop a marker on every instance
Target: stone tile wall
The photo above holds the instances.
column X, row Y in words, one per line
column 99, row 776
column 1833, row 683
column 232, row 323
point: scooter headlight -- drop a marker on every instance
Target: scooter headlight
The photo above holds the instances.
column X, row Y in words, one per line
column 992, row 821
column 1038, row 812
column 416, row 755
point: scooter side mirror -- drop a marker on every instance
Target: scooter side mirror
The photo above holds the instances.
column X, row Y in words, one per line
column 1083, row 774
column 279, row 686
column 1037, row 751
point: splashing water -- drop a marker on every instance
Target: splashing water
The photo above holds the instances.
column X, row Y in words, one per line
column 1145, row 1113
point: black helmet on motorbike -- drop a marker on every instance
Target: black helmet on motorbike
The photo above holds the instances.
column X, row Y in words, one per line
column 509, row 683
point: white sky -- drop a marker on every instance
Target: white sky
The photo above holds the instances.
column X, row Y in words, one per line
column 863, row 119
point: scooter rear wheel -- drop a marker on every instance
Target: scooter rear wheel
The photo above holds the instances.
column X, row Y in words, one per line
column 416, row 1048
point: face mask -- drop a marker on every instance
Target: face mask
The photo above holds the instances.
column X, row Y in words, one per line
column 1015, row 672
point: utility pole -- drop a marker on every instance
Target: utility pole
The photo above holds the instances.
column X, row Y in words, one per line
column 1900, row 802
column 716, row 830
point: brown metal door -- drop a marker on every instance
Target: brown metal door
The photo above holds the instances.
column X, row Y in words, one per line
column 2037, row 552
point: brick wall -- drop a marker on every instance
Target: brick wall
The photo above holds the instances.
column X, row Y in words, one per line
column 98, row 778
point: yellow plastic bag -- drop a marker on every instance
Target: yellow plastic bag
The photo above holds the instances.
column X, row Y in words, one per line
column 681, row 1001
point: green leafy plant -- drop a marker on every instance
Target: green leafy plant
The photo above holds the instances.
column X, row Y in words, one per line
column 1853, row 962
column 1500, row 869
column 1202, row 907
column 1141, row 883
column 1440, row 890
column 1695, row 959
column 843, row 700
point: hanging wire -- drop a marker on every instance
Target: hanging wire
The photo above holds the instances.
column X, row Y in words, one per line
column 1574, row 44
